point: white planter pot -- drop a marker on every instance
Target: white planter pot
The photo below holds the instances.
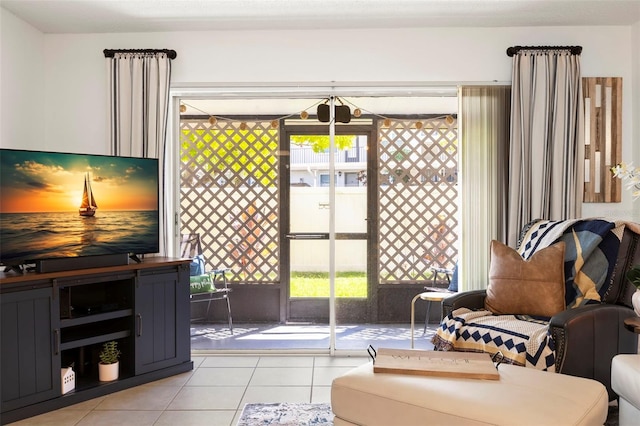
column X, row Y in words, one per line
column 635, row 301
column 108, row 372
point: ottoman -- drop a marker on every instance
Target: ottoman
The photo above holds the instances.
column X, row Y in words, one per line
column 625, row 381
column 522, row 396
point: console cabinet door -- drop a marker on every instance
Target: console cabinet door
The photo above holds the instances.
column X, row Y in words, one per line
column 30, row 355
column 162, row 320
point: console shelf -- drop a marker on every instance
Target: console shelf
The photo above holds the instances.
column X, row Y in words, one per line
column 98, row 338
column 54, row 320
column 88, row 319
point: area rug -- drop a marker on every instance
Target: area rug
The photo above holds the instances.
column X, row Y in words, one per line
column 286, row 414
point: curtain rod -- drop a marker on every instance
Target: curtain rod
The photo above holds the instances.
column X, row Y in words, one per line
column 575, row 50
column 109, row 53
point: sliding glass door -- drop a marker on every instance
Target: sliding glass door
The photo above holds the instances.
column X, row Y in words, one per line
column 320, row 208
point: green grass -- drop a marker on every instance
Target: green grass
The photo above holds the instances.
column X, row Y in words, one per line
column 316, row 284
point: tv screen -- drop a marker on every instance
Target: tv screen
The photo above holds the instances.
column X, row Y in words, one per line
column 60, row 205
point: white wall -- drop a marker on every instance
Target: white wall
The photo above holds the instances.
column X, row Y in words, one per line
column 22, row 89
column 71, row 71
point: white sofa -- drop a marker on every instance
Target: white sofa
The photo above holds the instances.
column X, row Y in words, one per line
column 625, row 381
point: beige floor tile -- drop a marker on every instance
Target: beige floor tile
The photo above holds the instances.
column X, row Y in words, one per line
column 86, row 405
column 140, row 398
column 208, row 398
column 281, row 376
column 320, row 394
column 197, row 360
column 237, row 416
column 327, row 361
column 230, row 361
column 61, row 417
column 177, row 380
column 197, row 418
column 117, row 418
column 323, row 376
column 221, row 377
column 256, row 394
column 286, row 361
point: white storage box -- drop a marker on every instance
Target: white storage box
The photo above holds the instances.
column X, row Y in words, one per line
column 68, row 380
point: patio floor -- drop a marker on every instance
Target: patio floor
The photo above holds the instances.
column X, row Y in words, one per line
column 291, row 337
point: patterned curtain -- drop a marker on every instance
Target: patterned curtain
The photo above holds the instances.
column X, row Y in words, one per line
column 484, row 139
column 139, row 98
column 546, row 174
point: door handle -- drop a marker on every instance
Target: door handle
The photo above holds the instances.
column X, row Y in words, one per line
column 307, row 236
column 56, row 341
column 139, row 324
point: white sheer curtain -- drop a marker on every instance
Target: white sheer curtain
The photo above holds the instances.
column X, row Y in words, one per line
column 484, row 137
column 139, row 98
column 546, row 171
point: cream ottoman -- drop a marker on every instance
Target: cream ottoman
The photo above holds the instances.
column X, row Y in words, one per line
column 522, row 396
column 625, row 381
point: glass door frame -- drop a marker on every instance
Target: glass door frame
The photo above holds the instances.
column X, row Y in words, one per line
column 368, row 130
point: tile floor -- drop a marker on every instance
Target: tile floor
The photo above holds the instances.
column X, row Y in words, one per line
column 311, row 337
column 213, row 394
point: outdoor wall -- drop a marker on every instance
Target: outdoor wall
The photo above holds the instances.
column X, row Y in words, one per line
column 56, row 98
column 309, row 213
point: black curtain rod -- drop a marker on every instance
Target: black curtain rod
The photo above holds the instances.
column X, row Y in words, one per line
column 109, row 53
column 575, row 50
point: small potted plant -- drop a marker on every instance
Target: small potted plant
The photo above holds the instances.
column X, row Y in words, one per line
column 108, row 366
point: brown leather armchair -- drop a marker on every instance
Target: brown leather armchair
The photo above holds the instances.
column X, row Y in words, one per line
column 588, row 337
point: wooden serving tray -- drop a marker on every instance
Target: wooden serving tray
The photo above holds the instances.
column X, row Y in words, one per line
column 468, row 365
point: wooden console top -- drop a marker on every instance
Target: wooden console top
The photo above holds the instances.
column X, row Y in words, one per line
column 13, row 277
column 633, row 324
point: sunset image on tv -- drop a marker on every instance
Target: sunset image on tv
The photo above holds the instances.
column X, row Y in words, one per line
column 60, row 205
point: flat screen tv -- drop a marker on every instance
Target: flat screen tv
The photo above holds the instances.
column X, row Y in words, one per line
column 59, row 205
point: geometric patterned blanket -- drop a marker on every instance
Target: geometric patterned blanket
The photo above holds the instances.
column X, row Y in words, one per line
column 590, row 254
column 521, row 339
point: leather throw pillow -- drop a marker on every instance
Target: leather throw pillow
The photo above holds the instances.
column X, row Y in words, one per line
column 526, row 287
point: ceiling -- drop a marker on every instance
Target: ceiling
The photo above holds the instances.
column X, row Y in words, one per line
column 113, row 16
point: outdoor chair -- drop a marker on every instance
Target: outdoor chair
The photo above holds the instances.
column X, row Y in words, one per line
column 205, row 285
column 572, row 323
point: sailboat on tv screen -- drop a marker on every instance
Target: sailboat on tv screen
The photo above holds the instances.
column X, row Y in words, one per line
column 88, row 206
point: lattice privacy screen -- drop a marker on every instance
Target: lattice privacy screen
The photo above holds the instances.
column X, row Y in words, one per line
column 417, row 198
column 229, row 194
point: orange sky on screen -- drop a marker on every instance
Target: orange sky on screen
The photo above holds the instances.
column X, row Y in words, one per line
column 64, row 198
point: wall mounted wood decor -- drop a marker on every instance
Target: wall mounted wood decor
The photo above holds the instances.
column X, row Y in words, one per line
column 602, row 138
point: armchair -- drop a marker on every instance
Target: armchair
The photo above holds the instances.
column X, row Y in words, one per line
column 583, row 339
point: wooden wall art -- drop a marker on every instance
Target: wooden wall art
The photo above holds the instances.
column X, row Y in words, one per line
column 602, row 138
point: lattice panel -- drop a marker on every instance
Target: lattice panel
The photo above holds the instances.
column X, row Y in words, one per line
column 417, row 198
column 229, row 195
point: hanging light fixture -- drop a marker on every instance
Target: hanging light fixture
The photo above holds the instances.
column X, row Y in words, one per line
column 418, row 125
column 183, row 108
column 449, row 120
column 213, row 120
column 357, row 112
column 243, row 125
column 274, row 124
column 304, row 115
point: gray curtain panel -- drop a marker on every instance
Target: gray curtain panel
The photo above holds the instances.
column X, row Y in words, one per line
column 138, row 111
column 546, row 173
column 484, row 148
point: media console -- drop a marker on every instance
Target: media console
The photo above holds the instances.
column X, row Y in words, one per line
column 51, row 321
